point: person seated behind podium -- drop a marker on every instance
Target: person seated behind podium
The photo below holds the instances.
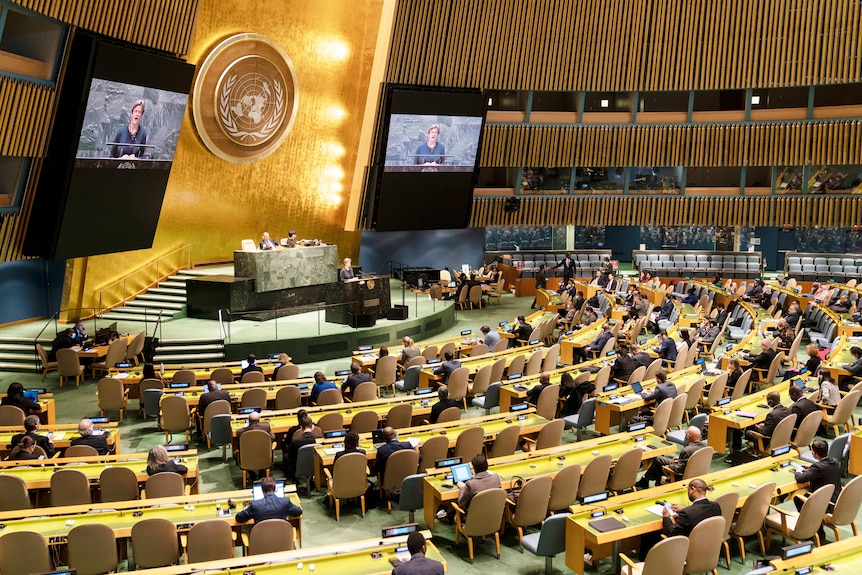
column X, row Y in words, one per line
column 448, row 366
column 252, row 366
column 677, row 464
column 761, row 360
column 418, row 564
column 666, row 348
column 663, row 389
column 15, row 397
column 271, row 506
column 290, row 241
column 346, row 272
column 522, row 331
column 24, row 451
column 482, row 480
column 267, row 243
column 31, row 426
column 254, row 423
column 351, row 445
column 443, row 403
column 390, row 446
column 691, row 297
column 320, row 385
column 79, row 332
column 158, row 461
column 353, row 380
column 801, row 406
column 89, row 436
column 640, row 357
column 624, row 364
column 536, row 390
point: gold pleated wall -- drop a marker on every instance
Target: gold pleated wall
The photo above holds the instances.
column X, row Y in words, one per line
column 644, row 45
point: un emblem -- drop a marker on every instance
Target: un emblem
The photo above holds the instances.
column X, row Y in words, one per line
column 245, row 98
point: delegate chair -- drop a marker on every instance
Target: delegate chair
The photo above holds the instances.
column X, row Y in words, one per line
column 546, row 405
column 449, row 414
column 116, row 354
column 364, row 421
column 728, row 502
column 481, row 381
column 83, row 539
column 185, row 376
column 118, row 484
column 457, row 385
column 365, row 392
column 803, row 525
column 35, row 560
column 385, row 372
column 331, row 422
column 80, row 451
column 135, row 348
column 43, row 359
column 270, row 536
column 287, row 372
column 255, row 452
column 625, row 472
column 564, row 490
column 155, row 543
column 806, row 431
column 595, row 476
column 288, row 397
column 221, row 434
column 400, row 416
column 750, row 518
column 146, row 384
column 485, row 517
column 209, row 540
column 112, row 395
column 411, row 379
column 412, row 492
column 479, row 349
column 176, row 416
column 68, row 365
column 348, row 480
column 70, row 487
column 399, row 465
column 434, row 449
column 13, row 493
column 11, row 416
column 490, row 400
column 551, row 435
column 704, row 545
column 530, row 507
column 550, row 541
column 305, row 465
column 469, row 443
column 665, row 558
column 584, row 418
column 842, row 418
column 253, row 377
column 222, row 375
column 219, row 407
column 165, row 484
column 329, row 397
column 780, row 435
column 254, row 397
column 506, row 441
column 697, row 465
column 846, row 508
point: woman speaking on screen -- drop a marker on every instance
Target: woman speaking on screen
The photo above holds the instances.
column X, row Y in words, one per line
column 129, row 141
column 431, row 153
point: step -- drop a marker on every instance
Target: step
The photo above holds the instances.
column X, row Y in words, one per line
column 193, row 272
column 18, row 339
column 173, row 284
column 142, row 311
column 190, row 357
column 121, row 316
column 26, row 347
column 12, row 366
column 182, row 341
column 7, row 356
column 168, row 290
column 180, row 278
column 159, row 297
column 184, row 348
column 165, row 305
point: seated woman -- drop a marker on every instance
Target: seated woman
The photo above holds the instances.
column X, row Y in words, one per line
column 15, row 396
column 158, row 461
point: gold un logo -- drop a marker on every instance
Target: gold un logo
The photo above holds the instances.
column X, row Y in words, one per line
column 245, row 98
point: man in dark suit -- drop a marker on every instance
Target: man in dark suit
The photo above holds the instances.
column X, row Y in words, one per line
column 447, row 367
column 62, row 341
column 701, row 508
column 663, row 389
column 353, row 380
column 418, row 564
column 763, row 359
column 270, row 507
column 641, row 358
column 91, row 438
column 825, row 471
column 612, row 284
column 580, row 353
column 31, row 426
column 666, row 348
column 266, row 243
column 778, row 412
column 254, row 422
column 391, row 446
column 252, row 366
column 801, row 406
column 678, row 463
column 442, row 404
column 304, row 435
column 522, row 331
column 536, row 391
column 624, row 365
column 568, row 265
column 213, row 394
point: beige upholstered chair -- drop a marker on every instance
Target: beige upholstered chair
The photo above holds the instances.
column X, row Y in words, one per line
column 479, row 349
column 254, row 397
column 506, row 442
column 329, row 397
column 780, row 435
column 116, row 354
column 806, row 431
column 13, row 493
column 365, row 391
column 364, row 421
column 846, row 508
column 222, row 375
column 842, row 418
column 165, row 484
column 594, row 479
column 68, row 365
column 112, row 395
column 469, row 443
column 80, row 451
column 135, row 348
column 253, row 377
column 155, row 543
column 531, row 505
column 433, row 450
column 70, row 487
column 625, row 472
column 457, row 384
column 750, row 518
column 704, row 545
column 287, row 372
column 118, row 484
column 348, row 480
column 43, row 359
column 728, row 502
column 332, row 421
column 83, row 540
column 546, row 405
column 661, row 417
column 716, row 392
column 185, row 376
column 484, row 517
column 210, row 540
column 288, row 397
column 255, row 452
column 667, row 557
column 385, row 373
column 564, row 490
column 270, row 536
column 11, row 416
column 803, row 525
column 534, row 363
column 176, row 416
column 400, row 416
column 697, row 465
column 399, row 465
column 449, row 414
column 15, row 562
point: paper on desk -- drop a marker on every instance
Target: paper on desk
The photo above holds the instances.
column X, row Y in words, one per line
column 59, row 435
column 121, row 375
column 332, row 450
column 658, row 510
column 745, row 414
column 414, row 441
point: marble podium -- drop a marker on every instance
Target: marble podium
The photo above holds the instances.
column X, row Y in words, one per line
column 280, row 269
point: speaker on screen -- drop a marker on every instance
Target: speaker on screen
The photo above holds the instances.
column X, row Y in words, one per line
column 424, row 163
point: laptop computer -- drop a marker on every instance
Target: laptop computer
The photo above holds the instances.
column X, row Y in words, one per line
column 257, row 489
column 32, row 394
column 377, row 438
column 637, row 387
column 461, row 472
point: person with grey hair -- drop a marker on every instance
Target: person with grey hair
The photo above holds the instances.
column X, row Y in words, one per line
column 31, row 426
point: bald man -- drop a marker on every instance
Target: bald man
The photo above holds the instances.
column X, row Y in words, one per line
column 678, row 463
column 700, row 509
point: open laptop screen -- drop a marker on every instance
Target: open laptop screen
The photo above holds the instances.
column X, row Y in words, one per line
column 461, row 472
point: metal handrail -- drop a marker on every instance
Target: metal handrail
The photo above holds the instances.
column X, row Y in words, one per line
column 150, row 280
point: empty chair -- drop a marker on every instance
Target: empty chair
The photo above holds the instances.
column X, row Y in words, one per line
column 546, row 405
column 842, row 417
column 564, row 490
column 595, row 476
column 584, row 418
column 43, row 359
column 11, row 416
column 164, row 484
column 116, row 354
column 551, row 434
column 68, row 365
column 750, row 518
column 469, row 443
column 385, row 372
column 13, row 493
column 433, row 450
column 704, row 545
column 399, row 465
column 288, row 397
column 118, row 484
column 364, row 421
column 846, row 508
column 305, row 465
column 69, row 487
column 13, row 561
column 412, row 493
column 254, row 397
column 411, row 379
column 625, row 472
column 82, row 540
column 112, row 395
column 662, row 559
column 271, row 536
column 253, row 377
column 221, row 434
column 728, row 502
column 348, row 480
column 534, row 364
column 176, row 416
column 484, row 517
column 210, row 540
column 331, row 422
column 449, row 414
column 185, row 376
column 479, row 349
column 218, row 407
column 803, row 525
column 490, row 400
column 400, row 416
column 457, row 384
column 80, row 451
column 506, row 441
column 516, row 365
column 150, row 383
column 531, row 505
column 154, row 543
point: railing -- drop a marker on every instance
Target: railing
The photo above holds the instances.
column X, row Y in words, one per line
column 138, row 281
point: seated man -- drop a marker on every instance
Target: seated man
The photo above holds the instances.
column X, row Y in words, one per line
column 686, row 518
column 270, row 507
column 31, row 426
column 567, row 318
column 801, row 406
column 320, row 385
column 663, row 390
column 418, row 564
column 481, row 480
column 442, row 404
column 624, row 364
column 825, row 471
column 777, row 413
column 641, row 358
column 544, row 381
column 95, row 439
column 677, row 464
column 266, row 243
column 522, row 331
column 580, row 353
column 762, row 360
column 252, row 366
column 447, row 367
column 691, row 297
column 666, row 348
column 390, row 436
column 297, row 438
column 212, row 394
column 353, row 380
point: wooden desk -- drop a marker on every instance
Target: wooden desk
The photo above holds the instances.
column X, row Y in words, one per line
column 490, row 424
column 193, row 394
column 743, row 479
column 578, row 339
column 725, row 418
column 534, row 319
column 131, row 377
column 463, row 345
column 427, row 377
column 840, row 356
column 48, row 414
column 438, row 489
column 514, row 391
column 98, row 352
column 64, row 433
column 845, row 556
column 855, row 463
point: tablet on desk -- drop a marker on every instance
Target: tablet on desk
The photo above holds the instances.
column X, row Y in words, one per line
column 257, row 489
column 461, row 472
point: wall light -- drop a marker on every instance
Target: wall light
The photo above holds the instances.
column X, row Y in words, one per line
column 604, row 103
column 755, row 100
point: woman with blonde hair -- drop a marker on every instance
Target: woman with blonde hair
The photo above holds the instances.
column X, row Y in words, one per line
column 158, row 461
column 409, row 350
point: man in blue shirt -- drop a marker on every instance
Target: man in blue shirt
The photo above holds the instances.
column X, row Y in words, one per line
column 320, row 385
column 270, row 507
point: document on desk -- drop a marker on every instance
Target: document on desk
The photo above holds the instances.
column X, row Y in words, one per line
column 747, row 414
column 657, row 510
column 332, row 450
column 59, row 435
column 625, row 399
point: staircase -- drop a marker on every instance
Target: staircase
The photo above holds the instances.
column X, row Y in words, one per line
column 18, row 353
column 167, row 298
column 186, row 351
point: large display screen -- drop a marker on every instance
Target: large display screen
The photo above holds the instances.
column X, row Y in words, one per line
column 112, row 146
column 425, row 159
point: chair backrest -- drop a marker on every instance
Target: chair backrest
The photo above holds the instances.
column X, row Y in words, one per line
column 220, row 430
column 532, row 504
column 469, row 443
column 43, row 355
column 154, row 543
column 716, row 390
column 847, row 505
column 255, row 450
column 305, row 460
column 15, row 561
column 165, row 484
column 698, row 463
column 253, row 377
column 517, row 364
column 677, row 410
column 450, row 414
column 551, row 434
column 349, row 476
column 754, row 510
column 80, row 451
column 210, row 540
column 218, row 407
column 492, row 396
column 13, row 493
column 475, row 295
column 844, row 409
column 637, row 375
column 11, row 415
column 457, row 383
column 287, row 371
column 546, row 405
column 534, row 364
column 400, row 464
column 506, row 441
column 782, row 432
column 482, row 380
column 652, row 369
column 728, row 502
column 386, row 369
column 412, row 492
column 69, row 487
column 118, row 484
column 222, row 375
column 485, row 515
column 694, row 394
column 152, row 401
column 497, row 369
column 587, row 412
column 364, row 421
column 501, row 345
column 448, row 347
column 365, row 391
column 564, row 490
column 602, row 377
column 149, row 383
column 288, row 397
column 83, row 540
column 432, row 450
column 705, row 542
column 116, row 352
column 552, row 537
column 551, row 357
column 661, row 417
column 812, row 512
column 330, row 397
column 479, row 349
column 400, row 416
column 68, row 364
column 331, row 421
column 665, row 557
column 595, row 476
column 626, row 470
column 248, row 245
column 186, row 376
column 741, row 385
column 175, row 414
column 271, row 536
column 429, row 352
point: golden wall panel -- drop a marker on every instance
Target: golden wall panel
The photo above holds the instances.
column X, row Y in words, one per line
column 213, row 204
